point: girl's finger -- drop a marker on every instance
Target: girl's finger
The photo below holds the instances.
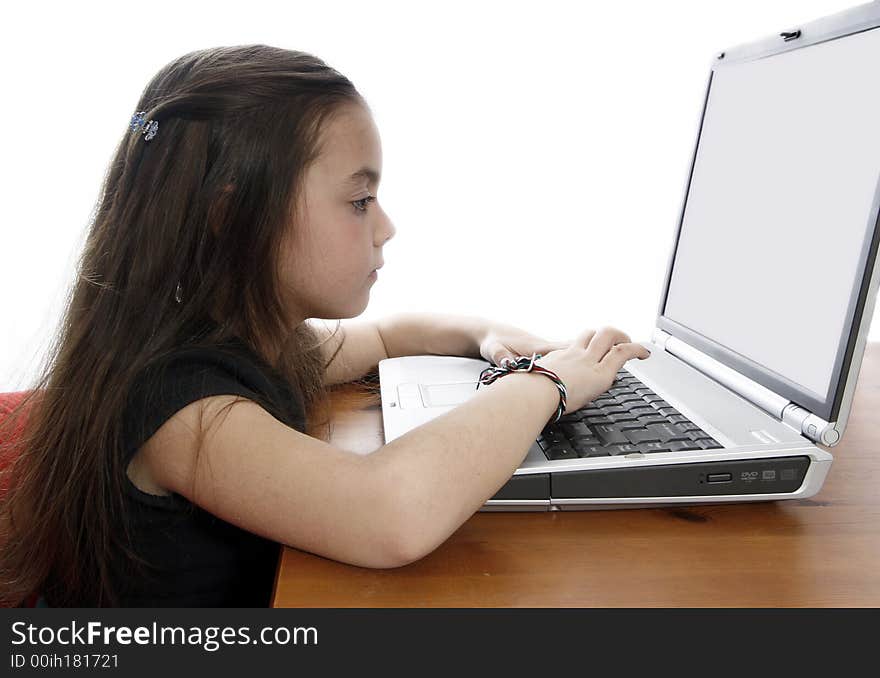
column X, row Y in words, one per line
column 584, row 338
column 604, row 340
column 620, row 353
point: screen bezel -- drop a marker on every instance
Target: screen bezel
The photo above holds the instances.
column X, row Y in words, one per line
column 827, row 406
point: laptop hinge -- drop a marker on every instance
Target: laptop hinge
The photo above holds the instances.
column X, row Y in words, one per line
column 791, row 414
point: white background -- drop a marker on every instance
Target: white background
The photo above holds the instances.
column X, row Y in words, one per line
column 534, row 153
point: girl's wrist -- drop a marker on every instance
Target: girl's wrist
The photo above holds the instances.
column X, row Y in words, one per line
column 550, row 397
column 478, row 329
column 524, row 364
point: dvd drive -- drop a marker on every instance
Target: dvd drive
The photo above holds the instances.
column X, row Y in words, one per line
column 752, row 476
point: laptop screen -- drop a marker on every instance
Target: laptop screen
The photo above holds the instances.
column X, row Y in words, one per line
column 781, row 211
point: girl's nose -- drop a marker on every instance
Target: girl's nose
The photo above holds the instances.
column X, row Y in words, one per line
column 387, row 231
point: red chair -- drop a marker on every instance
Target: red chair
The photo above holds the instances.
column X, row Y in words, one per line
column 8, row 402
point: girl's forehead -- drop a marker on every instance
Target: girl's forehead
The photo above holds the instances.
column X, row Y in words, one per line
column 350, row 142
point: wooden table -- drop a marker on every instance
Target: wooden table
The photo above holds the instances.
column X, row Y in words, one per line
column 823, row 551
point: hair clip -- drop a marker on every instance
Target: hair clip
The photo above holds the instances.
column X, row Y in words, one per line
column 148, row 128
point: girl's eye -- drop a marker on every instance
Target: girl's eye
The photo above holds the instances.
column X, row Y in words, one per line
column 361, row 205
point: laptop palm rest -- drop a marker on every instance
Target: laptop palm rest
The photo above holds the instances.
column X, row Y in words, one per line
column 412, row 395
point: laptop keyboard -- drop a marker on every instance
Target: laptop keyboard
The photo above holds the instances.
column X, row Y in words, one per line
column 629, row 417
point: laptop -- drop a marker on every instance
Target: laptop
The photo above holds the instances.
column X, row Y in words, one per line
column 763, row 316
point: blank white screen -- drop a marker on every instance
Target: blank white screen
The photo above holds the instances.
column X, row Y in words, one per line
column 777, row 214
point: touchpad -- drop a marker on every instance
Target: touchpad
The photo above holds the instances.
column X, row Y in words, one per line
column 445, row 395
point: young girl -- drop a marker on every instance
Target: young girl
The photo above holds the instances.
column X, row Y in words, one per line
column 166, row 452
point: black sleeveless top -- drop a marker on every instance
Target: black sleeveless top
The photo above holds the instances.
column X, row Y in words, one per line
column 197, row 559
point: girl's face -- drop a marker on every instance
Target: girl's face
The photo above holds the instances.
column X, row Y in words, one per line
column 327, row 263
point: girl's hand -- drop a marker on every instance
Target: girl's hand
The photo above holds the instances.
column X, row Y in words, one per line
column 505, row 341
column 589, row 365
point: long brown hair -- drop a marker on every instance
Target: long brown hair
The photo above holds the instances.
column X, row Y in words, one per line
column 203, row 205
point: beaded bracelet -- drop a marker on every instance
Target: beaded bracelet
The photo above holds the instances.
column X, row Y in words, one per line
column 525, row 364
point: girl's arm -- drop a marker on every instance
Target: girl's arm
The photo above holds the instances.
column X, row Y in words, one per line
column 365, row 343
column 385, row 509
column 362, row 349
column 432, row 334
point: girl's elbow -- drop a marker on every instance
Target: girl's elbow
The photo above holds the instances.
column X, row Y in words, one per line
column 408, row 552
column 409, row 534
column 408, row 538
column 416, row 536
column 390, row 552
column 403, row 544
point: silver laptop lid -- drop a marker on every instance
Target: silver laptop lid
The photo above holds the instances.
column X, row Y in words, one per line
column 772, row 272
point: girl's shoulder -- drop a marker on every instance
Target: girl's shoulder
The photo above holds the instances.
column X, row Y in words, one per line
column 186, row 374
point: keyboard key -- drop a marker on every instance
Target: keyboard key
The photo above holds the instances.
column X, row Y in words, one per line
column 683, row 445
column 638, row 411
column 689, row 426
column 608, row 411
column 679, row 418
column 593, row 451
column 637, row 436
column 546, row 442
column 609, row 435
column 678, row 429
column 666, row 411
column 646, row 420
column 653, row 397
column 625, row 418
column 579, row 428
column 702, row 438
column 561, row 451
column 654, row 447
column 668, row 431
column 700, row 434
column 594, row 421
column 630, row 398
column 553, row 435
column 580, row 441
column 622, row 448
